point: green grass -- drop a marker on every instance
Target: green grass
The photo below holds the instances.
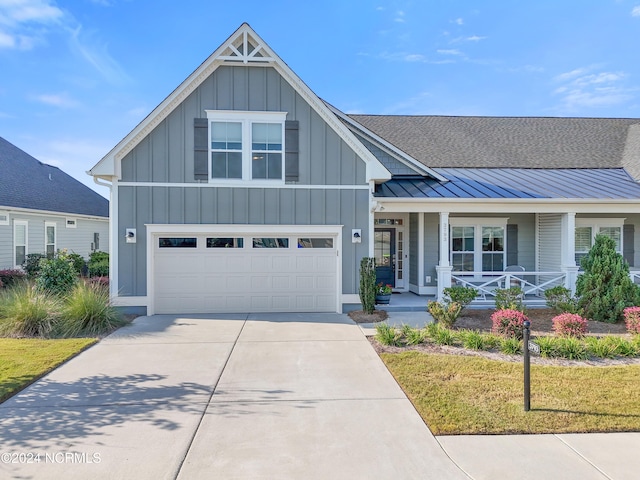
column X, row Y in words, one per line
column 23, row 361
column 468, row 395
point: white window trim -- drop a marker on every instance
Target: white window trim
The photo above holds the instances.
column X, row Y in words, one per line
column 72, row 225
column 597, row 223
column 478, row 223
column 55, row 236
column 4, row 217
column 24, row 223
column 246, row 118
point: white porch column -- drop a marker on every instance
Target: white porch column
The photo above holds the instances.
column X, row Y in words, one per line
column 568, row 251
column 420, row 251
column 444, row 268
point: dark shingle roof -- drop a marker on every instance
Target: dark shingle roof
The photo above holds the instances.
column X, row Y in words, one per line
column 504, row 142
column 27, row 183
column 516, row 183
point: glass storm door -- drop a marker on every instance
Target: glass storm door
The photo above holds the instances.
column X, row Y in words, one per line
column 385, row 255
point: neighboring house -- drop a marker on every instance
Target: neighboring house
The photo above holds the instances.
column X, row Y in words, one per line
column 244, row 192
column 43, row 210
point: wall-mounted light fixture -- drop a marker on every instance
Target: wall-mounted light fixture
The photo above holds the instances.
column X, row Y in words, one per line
column 130, row 235
column 356, row 235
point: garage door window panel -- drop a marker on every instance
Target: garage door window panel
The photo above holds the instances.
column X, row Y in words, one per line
column 315, row 242
column 270, row 243
column 225, row 242
column 178, row 242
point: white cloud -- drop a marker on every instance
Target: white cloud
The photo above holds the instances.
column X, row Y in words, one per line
column 449, row 52
column 635, row 12
column 98, row 56
column 61, row 100
column 587, row 87
column 399, row 17
column 459, row 21
column 25, row 23
column 475, row 38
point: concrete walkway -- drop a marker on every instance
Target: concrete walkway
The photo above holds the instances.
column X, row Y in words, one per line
column 261, row 396
column 243, row 397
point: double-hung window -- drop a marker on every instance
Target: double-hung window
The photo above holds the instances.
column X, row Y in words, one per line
column 478, row 244
column 246, row 145
column 588, row 228
column 49, row 239
column 20, row 241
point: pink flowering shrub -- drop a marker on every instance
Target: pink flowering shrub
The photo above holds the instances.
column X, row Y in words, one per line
column 569, row 325
column 632, row 319
column 98, row 281
column 508, row 322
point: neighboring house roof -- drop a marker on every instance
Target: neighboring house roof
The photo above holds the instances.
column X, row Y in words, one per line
column 28, row 183
column 505, row 142
column 516, row 183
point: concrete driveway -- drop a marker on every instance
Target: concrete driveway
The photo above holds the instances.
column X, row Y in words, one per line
column 245, row 396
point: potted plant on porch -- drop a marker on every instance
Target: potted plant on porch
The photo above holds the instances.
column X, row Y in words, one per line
column 383, row 294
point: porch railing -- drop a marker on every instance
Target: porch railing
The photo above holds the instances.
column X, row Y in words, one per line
column 486, row 283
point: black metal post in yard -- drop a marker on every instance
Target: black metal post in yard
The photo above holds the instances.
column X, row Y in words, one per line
column 527, row 366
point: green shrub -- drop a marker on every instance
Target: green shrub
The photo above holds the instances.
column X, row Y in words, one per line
column 463, row 296
column 443, row 336
column 559, row 299
column 78, row 263
column 56, row 275
column 604, row 289
column 368, row 286
column 571, row 348
column 388, row 335
column 510, row 346
column 27, row 312
column 413, row 336
column 32, row 264
column 444, row 313
column 87, row 311
column 548, row 346
column 509, row 299
column 472, row 339
column 98, row 265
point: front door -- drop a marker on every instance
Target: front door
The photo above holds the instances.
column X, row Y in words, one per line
column 385, row 255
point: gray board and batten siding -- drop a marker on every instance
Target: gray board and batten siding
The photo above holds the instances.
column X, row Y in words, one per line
column 166, row 155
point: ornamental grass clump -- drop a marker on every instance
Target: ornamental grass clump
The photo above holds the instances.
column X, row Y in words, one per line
column 569, row 325
column 632, row 319
column 508, row 323
column 27, row 312
column 88, row 311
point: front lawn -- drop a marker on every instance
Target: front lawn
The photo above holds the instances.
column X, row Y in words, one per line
column 473, row 395
column 23, row 361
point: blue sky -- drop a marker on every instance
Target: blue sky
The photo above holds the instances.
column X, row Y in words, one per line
column 77, row 76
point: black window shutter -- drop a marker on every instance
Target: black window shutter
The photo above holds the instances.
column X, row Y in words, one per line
column 512, row 245
column 291, row 170
column 628, row 251
column 201, row 148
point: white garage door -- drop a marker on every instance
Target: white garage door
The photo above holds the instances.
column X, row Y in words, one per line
column 204, row 273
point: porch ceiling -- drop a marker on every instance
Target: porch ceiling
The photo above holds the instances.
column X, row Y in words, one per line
column 516, row 183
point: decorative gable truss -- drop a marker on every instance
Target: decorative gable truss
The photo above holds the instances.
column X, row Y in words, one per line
column 246, row 48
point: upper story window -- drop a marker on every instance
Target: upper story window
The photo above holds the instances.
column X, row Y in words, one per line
column 246, row 145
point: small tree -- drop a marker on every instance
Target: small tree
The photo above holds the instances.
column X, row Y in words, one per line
column 605, row 289
column 368, row 286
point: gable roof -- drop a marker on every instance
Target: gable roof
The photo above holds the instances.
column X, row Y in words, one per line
column 28, row 183
column 505, row 142
column 243, row 47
